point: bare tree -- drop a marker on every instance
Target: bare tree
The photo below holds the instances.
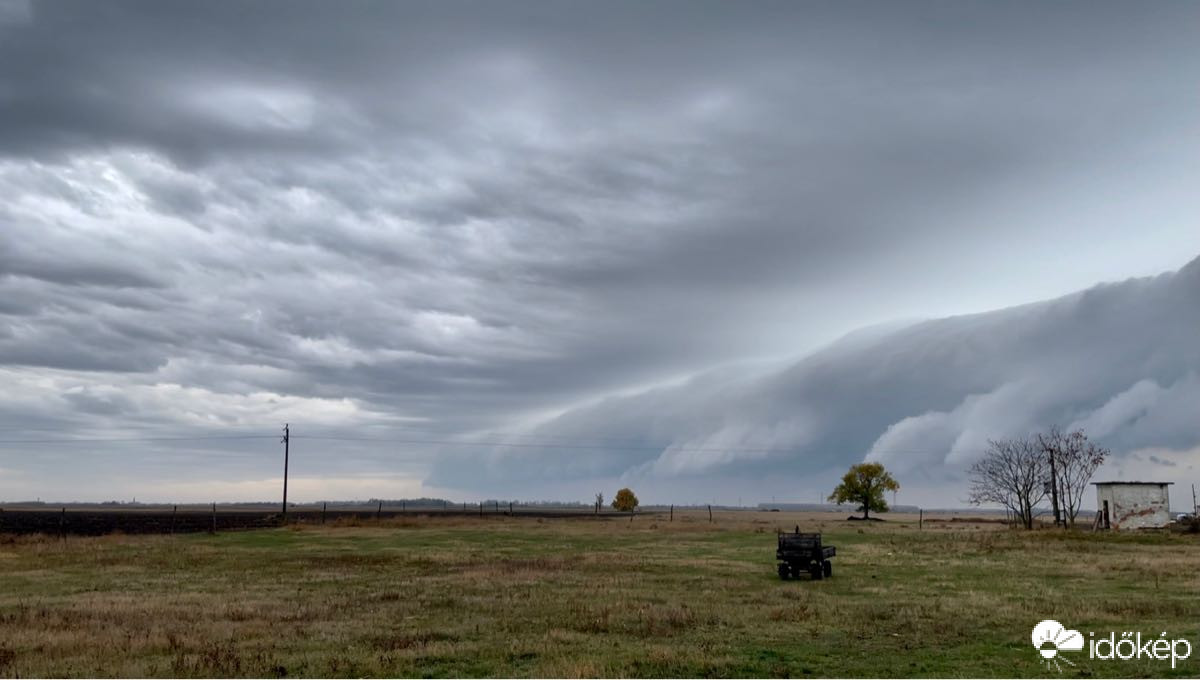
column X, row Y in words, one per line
column 1075, row 461
column 599, row 501
column 1011, row 473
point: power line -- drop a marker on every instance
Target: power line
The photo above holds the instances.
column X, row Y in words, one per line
column 493, row 434
column 96, row 440
column 528, row 445
column 574, row 445
column 606, row 447
column 499, row 434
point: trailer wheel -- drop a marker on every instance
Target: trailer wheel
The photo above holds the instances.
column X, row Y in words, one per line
column 827, row 568
column 784, row 571
column 816, row 571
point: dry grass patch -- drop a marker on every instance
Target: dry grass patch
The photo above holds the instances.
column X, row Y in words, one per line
column 576, row 597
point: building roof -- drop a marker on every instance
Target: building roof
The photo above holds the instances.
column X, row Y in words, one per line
column 1141, row 483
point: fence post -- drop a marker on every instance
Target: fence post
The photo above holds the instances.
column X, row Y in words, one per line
column 510, row 512
column 481, row 508
column 379, row 510
column 62, row 523
column 920, row 518
column 403, row 506
column 324, row 509
column 672, row 519
column 214, row 518
column 174, row 512
column 710, row 514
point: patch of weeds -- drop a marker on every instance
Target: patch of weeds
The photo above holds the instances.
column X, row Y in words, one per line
column 214, row 659
column 410, row 640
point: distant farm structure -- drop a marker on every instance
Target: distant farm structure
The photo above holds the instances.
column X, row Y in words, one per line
column 1132, row 505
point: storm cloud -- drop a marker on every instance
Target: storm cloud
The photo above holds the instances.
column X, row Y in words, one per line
column 1118, row 360
column 406, row 224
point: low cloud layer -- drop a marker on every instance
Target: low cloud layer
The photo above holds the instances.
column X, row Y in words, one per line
column 407, row 224
column 1119, row 360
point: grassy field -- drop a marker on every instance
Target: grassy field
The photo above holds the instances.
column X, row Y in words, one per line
column 581, row 597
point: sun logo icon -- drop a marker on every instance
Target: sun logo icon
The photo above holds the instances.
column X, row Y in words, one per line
column 1051, row 637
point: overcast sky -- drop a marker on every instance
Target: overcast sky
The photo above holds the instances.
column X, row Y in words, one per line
column 416, row 223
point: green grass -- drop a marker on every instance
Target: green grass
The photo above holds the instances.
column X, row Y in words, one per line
column 495, row 597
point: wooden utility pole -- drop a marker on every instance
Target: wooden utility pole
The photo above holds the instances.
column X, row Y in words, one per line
column 1053, row 484
column 286, row 439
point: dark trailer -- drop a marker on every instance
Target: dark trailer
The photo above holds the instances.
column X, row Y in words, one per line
column 798, row 552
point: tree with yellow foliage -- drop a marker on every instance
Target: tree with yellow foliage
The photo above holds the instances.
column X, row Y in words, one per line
column 625, row 501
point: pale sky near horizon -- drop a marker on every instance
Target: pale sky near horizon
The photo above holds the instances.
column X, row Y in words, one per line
column 422, row 222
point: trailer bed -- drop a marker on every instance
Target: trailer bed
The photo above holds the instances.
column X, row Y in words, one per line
column 800, row 552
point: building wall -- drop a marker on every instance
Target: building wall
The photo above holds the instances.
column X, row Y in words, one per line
column 1135, row 506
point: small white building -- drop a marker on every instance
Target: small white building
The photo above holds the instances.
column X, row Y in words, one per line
column 1132, row 505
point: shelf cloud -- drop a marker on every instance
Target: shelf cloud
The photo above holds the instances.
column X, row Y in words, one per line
column 1119, row 360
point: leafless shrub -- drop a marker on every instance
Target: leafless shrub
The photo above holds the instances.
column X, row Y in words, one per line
column 1011, row 474
column 1075, row 461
